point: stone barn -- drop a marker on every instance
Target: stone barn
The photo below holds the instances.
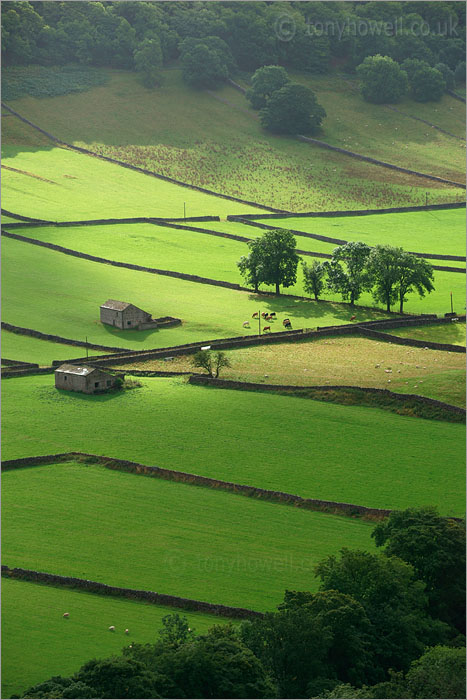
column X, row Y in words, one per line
column 126, row 316
column 88, row 380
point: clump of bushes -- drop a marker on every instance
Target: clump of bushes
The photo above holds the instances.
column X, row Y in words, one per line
column 43, row 81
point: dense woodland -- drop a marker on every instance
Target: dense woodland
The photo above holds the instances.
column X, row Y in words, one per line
column 249, row 35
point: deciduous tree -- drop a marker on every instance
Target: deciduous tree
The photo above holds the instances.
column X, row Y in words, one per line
column 272, row 260
column 413, row 274
column 148, row 62
column 293, row 109
column 264, row 83
column 383, row 263
column 347, row 273
column 435, row 547
column 382, row 79
column 313, row 278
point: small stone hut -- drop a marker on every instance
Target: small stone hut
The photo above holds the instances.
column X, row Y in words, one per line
column 126, row 316
column 88, row 380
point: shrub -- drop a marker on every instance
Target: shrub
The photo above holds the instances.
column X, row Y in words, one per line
column 41, row 81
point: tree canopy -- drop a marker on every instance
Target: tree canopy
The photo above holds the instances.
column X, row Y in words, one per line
column 347, row 272
column 382, row 79
column 293, row 109
column 272, row 260
column 435, row 547
column 264, row 82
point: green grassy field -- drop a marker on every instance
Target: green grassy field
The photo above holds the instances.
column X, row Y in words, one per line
column 65, row 294
column 171, row 537
column 351, row 361
column 82, row 187
column 440, row 232
column 32, row 622
column 439, row 333
column 215, row 141
column 27, row 349
column 8, row 219
column 218, row 311
column 289, row 444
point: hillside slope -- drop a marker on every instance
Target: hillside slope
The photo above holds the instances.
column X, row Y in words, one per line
column 214, row 140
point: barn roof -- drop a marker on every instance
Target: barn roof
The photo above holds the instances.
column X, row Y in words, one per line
column 115, row 305
column 75, row 369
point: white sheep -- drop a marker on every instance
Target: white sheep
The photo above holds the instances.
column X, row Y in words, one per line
column 66, row 614
column 127, row 631
column 112, row 628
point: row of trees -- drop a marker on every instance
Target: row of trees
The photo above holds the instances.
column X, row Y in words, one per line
column 384, row 80
column 389, row 273
column 316, row 33
column 382, row 625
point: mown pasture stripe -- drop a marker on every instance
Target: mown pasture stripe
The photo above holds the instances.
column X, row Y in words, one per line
column 57, row 580
column 130, row 266
column 85, row 151
column 19, row 330
column 276, row 497
column 184, row 275
column 301, row 392
column 337, row 213
column 341, row 241
column 22, row 220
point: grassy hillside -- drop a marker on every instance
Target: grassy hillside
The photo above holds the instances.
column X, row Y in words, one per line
column 33, row 612
column 69, row 185
column 214, row 140
column 349, row 361
column 440, row 232
column 207, row 312
column 276, row 442
column 171, row 537
column 395, row 137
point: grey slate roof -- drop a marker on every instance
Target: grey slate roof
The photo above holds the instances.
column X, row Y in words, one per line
column 115, row 305
column 74, row 369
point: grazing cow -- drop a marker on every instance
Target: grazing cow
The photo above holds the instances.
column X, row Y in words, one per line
column 255, row 315
column 267, row 328
column 66, row 614
column 352, row 318
column 112, row 628
column 287, row 323
column 273, row 313
column 246, row 324
column 264, row 314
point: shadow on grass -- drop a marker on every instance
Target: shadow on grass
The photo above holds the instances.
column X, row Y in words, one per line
column 311, row 309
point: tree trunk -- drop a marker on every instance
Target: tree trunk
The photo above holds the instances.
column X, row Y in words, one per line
column 316, row 297
column 388, row 304
column 401, row 307
column 277, row 288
